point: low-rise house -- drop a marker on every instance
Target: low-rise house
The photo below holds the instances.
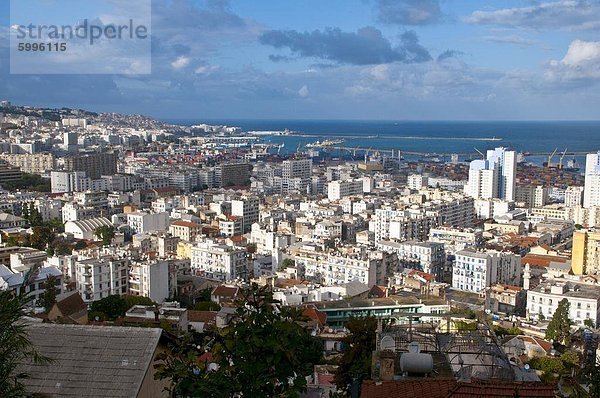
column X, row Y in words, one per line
column 11, row 221
column 526, row 347
column 200, row 321
column 185, row 230
column 69, row 308
column 171, row 313
column 506, row 299
column 222, row 294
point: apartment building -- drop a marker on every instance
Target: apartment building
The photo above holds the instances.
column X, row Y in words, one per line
column 216, row 261
column 584, row 300
column 428, row 257
column 474, row 271
column 98, row 278
column 37, row 163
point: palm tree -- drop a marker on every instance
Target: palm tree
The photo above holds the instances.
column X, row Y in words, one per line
column 15, row 346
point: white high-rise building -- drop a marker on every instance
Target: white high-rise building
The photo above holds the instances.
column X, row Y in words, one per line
column 248, row 209
column 591, row 192
column 494, row 177
column 574, row 196
column 483, row 180
column 507, row 160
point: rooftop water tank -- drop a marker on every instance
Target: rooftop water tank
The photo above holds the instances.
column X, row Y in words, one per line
column 416, row 363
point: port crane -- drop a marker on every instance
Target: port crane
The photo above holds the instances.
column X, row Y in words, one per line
column 560, row 161
column 549, row 164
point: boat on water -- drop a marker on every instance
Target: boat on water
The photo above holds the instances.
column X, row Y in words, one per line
column 275, row 132
column 325, row 143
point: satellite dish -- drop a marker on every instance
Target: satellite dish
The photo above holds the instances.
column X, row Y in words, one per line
column 414, row 347
column 388, row 344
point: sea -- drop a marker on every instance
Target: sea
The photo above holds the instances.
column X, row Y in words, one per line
column 434, row 137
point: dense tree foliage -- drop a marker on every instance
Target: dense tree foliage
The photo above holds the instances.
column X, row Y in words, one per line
column 206, row 306
column 265, row 352
column 114, row 306
column 512, row 331
column 355, row 364
column 48, row 297
column 106, row 233
column 15, row 346
column 28, row 182
column 559, row 328
column 592, row 378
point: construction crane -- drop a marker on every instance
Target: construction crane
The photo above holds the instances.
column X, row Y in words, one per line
column 479, row 152
column 560, row 161
column 549, row 164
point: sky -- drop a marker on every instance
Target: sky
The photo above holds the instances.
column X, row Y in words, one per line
column 345, row 59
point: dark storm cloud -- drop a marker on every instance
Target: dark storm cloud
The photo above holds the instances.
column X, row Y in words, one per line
column 365, row 47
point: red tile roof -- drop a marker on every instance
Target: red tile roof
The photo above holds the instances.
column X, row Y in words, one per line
column 186, row 224
column 542, row 260
column 325, row 379
column 225, row 291
column 377, row 291
column 504, row 390
column 424, row 275
column 450, row 388
column 315, row 315
column 208, row 317
column 422, row 388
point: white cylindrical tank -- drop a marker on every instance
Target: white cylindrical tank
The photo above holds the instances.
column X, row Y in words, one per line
column 416, row 362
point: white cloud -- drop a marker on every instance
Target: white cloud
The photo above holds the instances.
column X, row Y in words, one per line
column 206, row 69
column 579, row 67
column 180, row 63
column 582, row 52
column 303, row 92
column 563, row 14
column 510, row 39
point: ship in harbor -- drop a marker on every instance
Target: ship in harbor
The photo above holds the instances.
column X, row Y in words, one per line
column 325, row 143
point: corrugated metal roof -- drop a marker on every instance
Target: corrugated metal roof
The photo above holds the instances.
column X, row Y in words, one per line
column 90, row 361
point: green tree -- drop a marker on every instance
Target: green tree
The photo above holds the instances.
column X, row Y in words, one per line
column 592, row 377
column 12, row 241
column 264, row 352
column 206, row 306
column 106, row 233
column 288, row 262
column 25, row 211
column 589, row 323
column 51, row 290
column 570, row 359
column 355, row 363
column 559, row 328
column 115, row 306
column 42, row 237
column 15, row 346
column 80, row 245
